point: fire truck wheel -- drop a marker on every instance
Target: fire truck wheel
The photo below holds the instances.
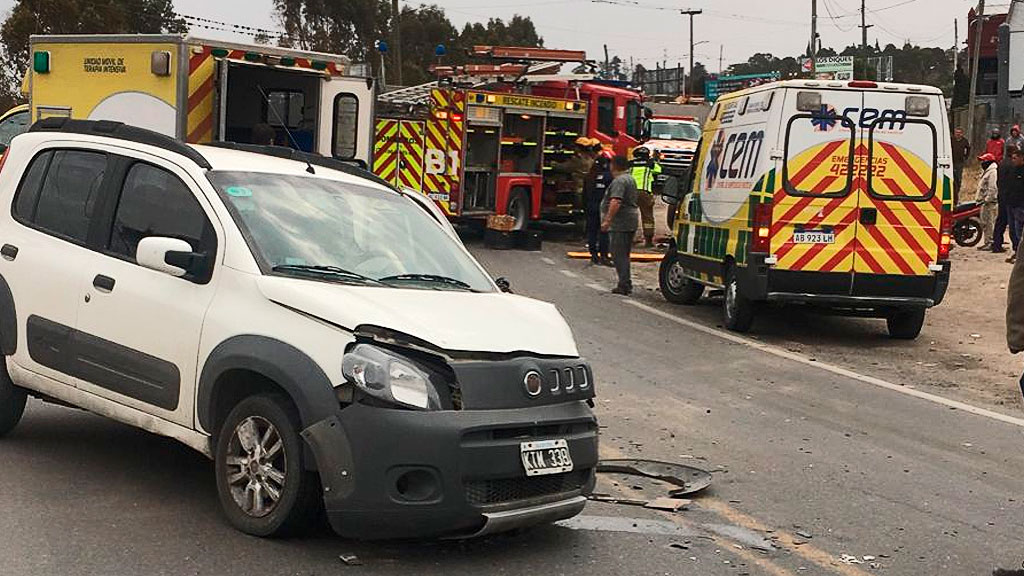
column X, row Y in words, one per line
column 906, row 324
column 519, row 208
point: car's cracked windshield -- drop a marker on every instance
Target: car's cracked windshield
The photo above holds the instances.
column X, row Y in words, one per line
column 313, row 227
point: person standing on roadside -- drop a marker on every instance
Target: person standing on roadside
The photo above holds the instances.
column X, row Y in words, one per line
column 1003, row 174
column 578, row 165
column 620, row 216
column 987, row 195
column 645, row 169
column 961, row 152
column 594, row 187
column 1016, row 139
column 1015, row 215
column 996, row 145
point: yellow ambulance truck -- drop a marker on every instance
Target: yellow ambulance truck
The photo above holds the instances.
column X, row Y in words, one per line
column 202, row 90
column 819, row 193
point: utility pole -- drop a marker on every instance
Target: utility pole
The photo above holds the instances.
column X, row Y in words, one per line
column 980, row 19
column 721, row 50
column 956, row 45
column 864, row 26
column 607, row 64
column 396, row 39
column 813, row 46
column 691, row 14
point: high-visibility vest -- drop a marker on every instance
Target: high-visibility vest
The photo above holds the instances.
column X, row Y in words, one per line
column 644, row 175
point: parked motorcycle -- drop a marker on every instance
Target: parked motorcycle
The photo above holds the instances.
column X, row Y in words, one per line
column 967, row 224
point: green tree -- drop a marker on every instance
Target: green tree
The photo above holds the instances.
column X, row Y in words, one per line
column 351, row 27
column 29, row 17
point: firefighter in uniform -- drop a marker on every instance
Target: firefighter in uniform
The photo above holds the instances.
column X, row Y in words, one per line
column 594, row 187
column 578, row 166
column 644, row 170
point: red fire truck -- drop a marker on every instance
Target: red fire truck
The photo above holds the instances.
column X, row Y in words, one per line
column 487, row 139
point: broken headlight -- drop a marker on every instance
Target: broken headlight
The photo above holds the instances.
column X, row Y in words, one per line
column 389, row 377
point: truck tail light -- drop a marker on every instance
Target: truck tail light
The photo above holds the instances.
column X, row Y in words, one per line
column 945, row 235
column 762, row 228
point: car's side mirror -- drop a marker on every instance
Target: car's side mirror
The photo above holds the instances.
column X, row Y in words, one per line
column 668, row 186
column 169, row 255
column 645, row 130
column 504, row 285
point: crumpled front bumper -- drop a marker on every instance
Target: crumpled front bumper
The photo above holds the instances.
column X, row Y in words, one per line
column 390, row 473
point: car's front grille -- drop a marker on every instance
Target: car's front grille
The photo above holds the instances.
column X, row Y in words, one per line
column 506, row 490
column 676, row 162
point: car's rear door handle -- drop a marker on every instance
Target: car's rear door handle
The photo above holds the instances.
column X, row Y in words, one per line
column 103, row 283
column 868, row 216
column 9, row 251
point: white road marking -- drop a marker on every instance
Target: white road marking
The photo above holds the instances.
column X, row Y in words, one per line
column 569, row 273
column 781, row 353
column 547, row 261
column 596, row 286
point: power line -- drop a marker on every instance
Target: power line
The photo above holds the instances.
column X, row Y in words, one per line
column 832, row 17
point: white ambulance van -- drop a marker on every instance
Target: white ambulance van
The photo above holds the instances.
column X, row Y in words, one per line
column 821, row 193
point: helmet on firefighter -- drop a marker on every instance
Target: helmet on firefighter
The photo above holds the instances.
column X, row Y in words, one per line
column 641, row 153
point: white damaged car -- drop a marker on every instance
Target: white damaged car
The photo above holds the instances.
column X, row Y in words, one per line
column 324, row 338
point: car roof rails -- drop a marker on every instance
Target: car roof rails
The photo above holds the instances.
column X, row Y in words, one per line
column 121, row 131
column 307, row 157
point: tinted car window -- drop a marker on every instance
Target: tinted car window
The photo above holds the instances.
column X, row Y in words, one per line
column 155, row 202
column 12, row 126
column 27, row 197
column 69, row 193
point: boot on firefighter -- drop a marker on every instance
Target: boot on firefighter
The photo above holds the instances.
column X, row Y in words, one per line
column 644, row 168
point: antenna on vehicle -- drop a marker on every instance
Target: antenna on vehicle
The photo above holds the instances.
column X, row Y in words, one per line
column 277, row 116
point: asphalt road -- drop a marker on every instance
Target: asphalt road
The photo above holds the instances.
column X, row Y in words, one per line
column 808, row 463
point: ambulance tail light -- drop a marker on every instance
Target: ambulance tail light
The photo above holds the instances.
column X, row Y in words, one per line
column 762, row 228
column 945, row 235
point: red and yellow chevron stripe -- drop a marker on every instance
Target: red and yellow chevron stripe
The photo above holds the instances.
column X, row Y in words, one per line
column 385, row 149
column 904, row 239
column 410, row 154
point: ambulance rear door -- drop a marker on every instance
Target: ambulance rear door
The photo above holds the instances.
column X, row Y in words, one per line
column 814, row 214
column 346, row 119
column 902, row 194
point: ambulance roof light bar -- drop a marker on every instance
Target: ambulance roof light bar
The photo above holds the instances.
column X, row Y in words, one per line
column 520, row 53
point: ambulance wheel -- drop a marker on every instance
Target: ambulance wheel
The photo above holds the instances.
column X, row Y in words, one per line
column 906, row 324
column 519, row 208
column 676, row 287
column 737, row 310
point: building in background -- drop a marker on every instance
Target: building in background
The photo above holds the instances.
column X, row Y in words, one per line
column 999, row 100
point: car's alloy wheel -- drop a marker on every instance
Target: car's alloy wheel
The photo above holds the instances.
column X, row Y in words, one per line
column 257, row 465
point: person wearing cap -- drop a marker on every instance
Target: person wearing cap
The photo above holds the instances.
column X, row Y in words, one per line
column 645, row 168
column 1016, row 139
column 988, row 195
column 996, row 145
column 578, row 165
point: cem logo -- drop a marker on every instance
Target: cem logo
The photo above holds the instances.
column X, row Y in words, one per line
column 870, row 118
column 733, row 156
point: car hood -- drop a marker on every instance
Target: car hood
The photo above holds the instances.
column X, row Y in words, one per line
column 672, row 144
column 454, row 321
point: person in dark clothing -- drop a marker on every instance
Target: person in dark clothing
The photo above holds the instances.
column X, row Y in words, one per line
column 620, row 217
column 1015, row 201
column 961, row 152
column 594, row 186
column 263, row 134
column 1002, row 217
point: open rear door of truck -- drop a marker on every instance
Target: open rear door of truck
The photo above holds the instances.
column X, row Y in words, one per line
column 346, row 119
